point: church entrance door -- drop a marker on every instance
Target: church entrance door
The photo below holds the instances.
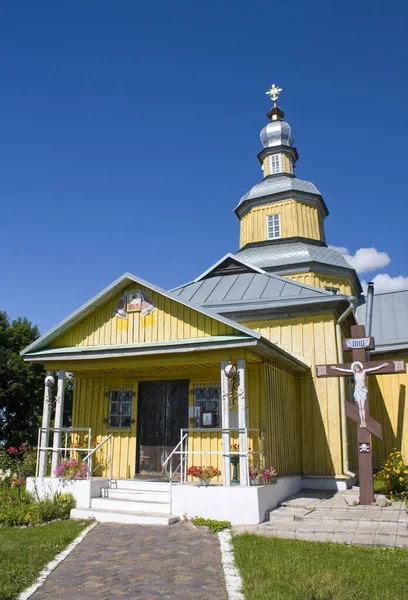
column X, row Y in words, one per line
column 162, row 412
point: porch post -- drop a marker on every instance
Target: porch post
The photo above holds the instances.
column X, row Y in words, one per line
column 225, row 425
column 242, row 424
column 59, row 410
column 46, row 419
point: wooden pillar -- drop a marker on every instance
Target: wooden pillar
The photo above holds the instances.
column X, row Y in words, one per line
column 59, row 411
column 46, row 419
column 226, row 471
column 242, row 424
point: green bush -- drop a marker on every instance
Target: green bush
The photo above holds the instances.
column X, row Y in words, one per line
column 394, row 476
column 213, row 525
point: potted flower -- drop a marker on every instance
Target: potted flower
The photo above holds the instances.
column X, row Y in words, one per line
column 270, row 475
column 204, row 474
column 255, row 476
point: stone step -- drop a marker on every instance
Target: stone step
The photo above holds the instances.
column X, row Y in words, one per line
column 130, row 505
column 119, row 516
column 141, row 485
column 138, row 495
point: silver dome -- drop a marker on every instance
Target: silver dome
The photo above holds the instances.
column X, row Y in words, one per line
column 277, row 133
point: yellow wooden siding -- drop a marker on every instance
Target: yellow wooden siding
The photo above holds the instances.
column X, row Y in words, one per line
column 171, row 321
column 389, row 406
column 296, row 219
column 323, row 280
column 283, row 433
column 285, row 162
column 91, row 407
column 314, row 339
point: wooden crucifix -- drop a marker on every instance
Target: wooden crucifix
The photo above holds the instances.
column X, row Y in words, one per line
column 359, row 369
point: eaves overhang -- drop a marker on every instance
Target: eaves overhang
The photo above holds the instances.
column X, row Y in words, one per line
column 259, row 345
column 278, row 149
column 316, row 199
column 256, row 310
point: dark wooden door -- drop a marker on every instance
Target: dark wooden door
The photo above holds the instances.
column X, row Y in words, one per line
column 163, row 411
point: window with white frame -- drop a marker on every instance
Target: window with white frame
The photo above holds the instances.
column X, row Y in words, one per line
column 273, row 226
column 275, row 163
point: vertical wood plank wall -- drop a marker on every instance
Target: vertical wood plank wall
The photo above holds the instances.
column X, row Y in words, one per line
column 283, row 430
column 296, row 219
column 90, row 407
column 171, row 321
column 314, row 338
column 389, row 405
column 323, row 280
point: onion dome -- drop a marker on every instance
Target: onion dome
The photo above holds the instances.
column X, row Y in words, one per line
column 277, row 133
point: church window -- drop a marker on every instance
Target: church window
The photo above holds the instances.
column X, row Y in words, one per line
column 276, row 163
column 273, row 226
column 120, row 407
column 207, row 398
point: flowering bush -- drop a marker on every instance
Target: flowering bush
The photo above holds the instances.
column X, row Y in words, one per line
column 71, row 469
column 394, row 475
column 203, row 472
column 17, row 461
column 234, row 448
column 266, row 473
column 269, row 473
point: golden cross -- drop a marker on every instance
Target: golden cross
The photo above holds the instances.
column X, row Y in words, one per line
column 274, row 93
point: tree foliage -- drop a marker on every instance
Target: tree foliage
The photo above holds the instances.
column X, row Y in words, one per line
column 21, row 383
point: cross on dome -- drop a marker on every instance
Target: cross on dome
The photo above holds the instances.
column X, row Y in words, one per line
column 274, row 93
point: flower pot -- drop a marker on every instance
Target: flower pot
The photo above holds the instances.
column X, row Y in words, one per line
column 256, row 480
column 205, row 481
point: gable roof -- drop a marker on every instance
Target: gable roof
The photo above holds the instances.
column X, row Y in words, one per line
column 247, row 290
column 390, row 320
column 228, row 264
column 116, row 286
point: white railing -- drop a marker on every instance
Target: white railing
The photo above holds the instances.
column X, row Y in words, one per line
column 184, row 450
column 72, row 441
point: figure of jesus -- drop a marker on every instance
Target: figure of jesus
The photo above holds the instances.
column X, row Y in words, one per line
column 360, row 386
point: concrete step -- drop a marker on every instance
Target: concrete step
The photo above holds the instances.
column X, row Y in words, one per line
column 140, row 485
column 118, row 516
column 130, row 505
column 287, row 515
column 138, row 495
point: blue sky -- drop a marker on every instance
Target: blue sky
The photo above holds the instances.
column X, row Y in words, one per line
column 129, row 131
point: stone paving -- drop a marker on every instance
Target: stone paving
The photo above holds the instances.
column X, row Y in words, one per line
column 119, row 562
column 322, row 516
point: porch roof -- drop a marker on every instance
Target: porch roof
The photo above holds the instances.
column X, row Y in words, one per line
column 259, row 345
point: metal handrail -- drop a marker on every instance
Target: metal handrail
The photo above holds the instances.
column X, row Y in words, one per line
column 91, row 453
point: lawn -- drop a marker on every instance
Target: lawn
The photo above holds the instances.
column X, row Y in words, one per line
column 279, row 569
column 25, row 552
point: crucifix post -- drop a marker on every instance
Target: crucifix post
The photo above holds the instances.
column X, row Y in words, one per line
column 359, row 369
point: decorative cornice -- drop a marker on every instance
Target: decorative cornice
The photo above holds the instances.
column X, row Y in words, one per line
column 278, row 150
column 315, row 199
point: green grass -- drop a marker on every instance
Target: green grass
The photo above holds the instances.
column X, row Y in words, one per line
column 25, row 552
column 279, row 569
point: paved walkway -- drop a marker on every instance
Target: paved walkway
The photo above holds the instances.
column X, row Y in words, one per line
column 119, row 562
column 322, row 516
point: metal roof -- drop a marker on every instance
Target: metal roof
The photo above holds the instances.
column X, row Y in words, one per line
column 291, row 253
column 277, row 133
column 390, row 320
column 277, row 185
column 245, row 288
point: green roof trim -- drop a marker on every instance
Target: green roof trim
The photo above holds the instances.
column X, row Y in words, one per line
column 221, row 339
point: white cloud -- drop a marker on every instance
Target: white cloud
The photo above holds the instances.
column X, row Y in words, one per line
column 384, row 283
column 365, row 259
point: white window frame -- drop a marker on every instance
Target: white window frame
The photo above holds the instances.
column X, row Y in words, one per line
column 273, row 226
column 275, row 163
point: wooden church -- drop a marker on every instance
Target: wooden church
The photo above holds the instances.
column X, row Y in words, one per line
column 224, row 365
